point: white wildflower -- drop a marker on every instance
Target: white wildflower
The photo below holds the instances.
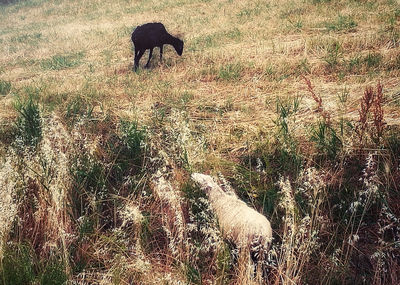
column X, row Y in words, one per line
column 131, row 213
column 352, row 240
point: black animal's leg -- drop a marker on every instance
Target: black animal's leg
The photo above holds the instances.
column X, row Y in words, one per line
column 134, row 59
column 138, row 56
column 161, row 51
column 150, row 54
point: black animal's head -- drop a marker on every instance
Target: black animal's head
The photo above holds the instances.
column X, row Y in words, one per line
column 179, row 47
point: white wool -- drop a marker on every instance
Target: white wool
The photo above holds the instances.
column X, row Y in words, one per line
column 238, row 221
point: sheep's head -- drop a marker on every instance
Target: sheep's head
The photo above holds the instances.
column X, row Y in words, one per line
column 206, row 183
column 179, row 47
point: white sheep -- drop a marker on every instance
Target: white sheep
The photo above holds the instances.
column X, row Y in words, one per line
column 240, row 223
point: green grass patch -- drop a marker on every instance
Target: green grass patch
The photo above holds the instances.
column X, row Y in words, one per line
column 17, row 265
column 216, row 39
column 234, row 34
column 20, row 266
column 200, row 214
column 133, row 143
column 249, row 12
column 342, row 23
column 5, row 87
column 27, row 38
column 104, row 178
column 333, row 55
column 59, row 62
column 373, row 60
column 29, row 122
column 54, row 273
column 202, row 42
column 224, row 264
column 230, row 72
column 193, row 275
column 358, row 64
column 354, row 64
column 89, row 181
column 326, row 139
column 320, row 1
column 77, row 109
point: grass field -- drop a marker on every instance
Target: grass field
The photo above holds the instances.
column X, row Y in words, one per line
column 296, row 103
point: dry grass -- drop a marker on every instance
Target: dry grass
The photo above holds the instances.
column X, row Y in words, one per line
column 208, row 111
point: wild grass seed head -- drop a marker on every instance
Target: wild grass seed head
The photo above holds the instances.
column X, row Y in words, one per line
column 8, row 202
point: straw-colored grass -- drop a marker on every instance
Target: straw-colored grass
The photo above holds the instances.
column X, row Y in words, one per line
column 212, row 110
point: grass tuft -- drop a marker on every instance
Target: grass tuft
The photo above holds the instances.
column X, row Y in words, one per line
column 54, row 273
column 342, row 23
column 230, row 72
column 77, row 109
column 326, row 139
column 5, row 87
column 97, row 198
column 133, row 138
column 59, row 62
column 17, row 265
column 333, row 55
column 29, row 122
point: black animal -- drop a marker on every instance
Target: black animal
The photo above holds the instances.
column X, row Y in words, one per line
column 151, row 35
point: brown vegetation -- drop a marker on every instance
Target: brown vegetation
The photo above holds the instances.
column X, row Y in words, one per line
column 295, row 104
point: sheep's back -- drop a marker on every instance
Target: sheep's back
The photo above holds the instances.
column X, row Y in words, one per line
column 149, row 35
column 238, row 221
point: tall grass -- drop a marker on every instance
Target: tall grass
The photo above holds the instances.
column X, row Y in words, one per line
column 29, row 123
column 95, row 159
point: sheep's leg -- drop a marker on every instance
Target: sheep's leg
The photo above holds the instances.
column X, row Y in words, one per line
column 161, row 51
column 150, row 54
column 134, row 60
column 138, row 56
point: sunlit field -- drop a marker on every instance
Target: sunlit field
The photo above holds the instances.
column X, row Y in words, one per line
column 293, row 107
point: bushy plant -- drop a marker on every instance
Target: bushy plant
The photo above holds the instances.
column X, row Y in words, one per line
column 127, row 150
column 5, row 87
column 133, row 138
column 373, row 60
column 286, row 144
column 54, row 273
column 284, row 110
column 333, row 55
column 78, row 108
column 17, row 265
column 29, row 122
column 89, row 184
column 204, row 237
column 327, row 141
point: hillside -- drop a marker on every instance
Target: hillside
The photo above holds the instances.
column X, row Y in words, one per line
column 293, row 105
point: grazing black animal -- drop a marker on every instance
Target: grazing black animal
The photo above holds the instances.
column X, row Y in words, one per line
column 151, row 35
